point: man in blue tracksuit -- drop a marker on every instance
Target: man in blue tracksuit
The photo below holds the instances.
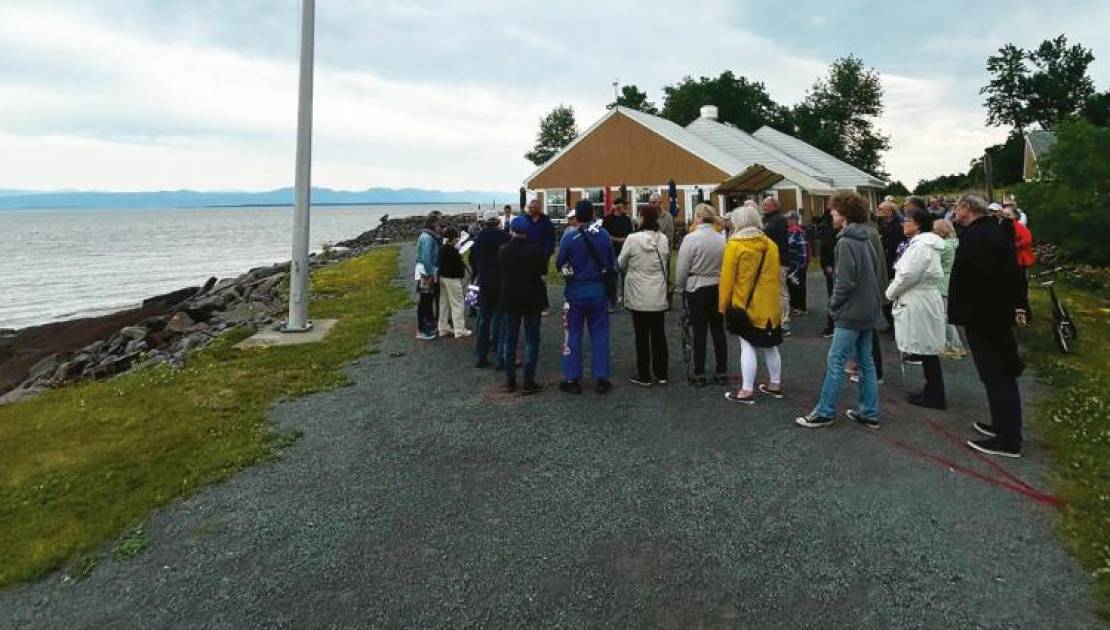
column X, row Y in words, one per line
column 587, row 304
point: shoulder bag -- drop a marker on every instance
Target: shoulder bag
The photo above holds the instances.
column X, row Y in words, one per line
column 608, row 274
column 738, row 322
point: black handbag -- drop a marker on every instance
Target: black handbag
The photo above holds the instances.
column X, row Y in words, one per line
column 608, row 275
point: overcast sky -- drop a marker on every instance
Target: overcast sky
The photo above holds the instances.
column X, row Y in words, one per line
column 167, row 94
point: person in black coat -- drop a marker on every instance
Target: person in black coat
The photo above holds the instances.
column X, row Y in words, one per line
column 984, row 297
column 484, row 268
column 776, row 229
column 825, row 240
column 523, row 297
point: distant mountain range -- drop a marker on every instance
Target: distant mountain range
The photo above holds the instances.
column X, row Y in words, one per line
column 21, row 199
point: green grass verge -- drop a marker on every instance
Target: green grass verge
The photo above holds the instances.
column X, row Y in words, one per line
column 82, row 465
column 1074, row 421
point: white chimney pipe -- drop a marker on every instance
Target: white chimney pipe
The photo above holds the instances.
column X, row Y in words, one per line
column 709, row 111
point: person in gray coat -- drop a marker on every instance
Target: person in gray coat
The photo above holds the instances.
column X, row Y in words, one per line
column 697, row 276
column 856, row 305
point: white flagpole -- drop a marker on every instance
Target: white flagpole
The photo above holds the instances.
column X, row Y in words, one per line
column 298, row 273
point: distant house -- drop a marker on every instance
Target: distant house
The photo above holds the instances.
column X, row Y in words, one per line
column 708, row 158
column 1037, row 144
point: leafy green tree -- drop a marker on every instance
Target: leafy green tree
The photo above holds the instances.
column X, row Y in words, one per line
column 632, row 98
column 838, row 115
column 1097, row 109
column 1068, row 205
column 557, row 129
column 1007, row 92
column 1058, row 84
column 896, row 188
column 1007, row 162
column 739, row 101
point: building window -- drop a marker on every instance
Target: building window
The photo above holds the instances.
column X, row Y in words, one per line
column 595, row 195
column 555, row 203
column 642, row 198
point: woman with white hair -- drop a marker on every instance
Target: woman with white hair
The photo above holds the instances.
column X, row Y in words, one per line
column 749, row 299
column 697, row 274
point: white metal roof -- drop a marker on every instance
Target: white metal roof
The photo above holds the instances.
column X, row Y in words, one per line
column 842, row 174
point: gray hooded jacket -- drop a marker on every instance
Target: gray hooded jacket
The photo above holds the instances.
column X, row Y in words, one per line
column 856, row 302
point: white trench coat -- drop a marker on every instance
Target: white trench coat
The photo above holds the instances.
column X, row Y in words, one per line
column 920, row 313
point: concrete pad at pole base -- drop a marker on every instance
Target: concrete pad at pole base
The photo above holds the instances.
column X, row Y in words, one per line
column 269, row 338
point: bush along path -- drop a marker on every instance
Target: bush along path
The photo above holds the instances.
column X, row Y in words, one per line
column 420, row 496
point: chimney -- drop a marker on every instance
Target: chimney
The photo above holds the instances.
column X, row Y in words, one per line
column 709, row 111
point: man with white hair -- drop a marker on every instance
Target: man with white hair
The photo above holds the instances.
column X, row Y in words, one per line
column 984, row 297
column 775, row 227
column 666, row 221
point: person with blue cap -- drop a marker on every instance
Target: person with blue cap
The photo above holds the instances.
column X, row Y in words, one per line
column 585, row 258
column 486, row 270
column 523, row 297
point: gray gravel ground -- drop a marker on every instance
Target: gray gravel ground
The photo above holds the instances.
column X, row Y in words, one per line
column 421, row 497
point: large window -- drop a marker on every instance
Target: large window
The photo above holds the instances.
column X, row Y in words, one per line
column 642, row 198
column 595, row 195
column 555, row 203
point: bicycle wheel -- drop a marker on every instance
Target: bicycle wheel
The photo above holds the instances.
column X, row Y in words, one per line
column 1062, row 338
column 1068, row 324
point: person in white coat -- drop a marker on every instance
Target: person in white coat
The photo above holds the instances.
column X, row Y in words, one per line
column 643, row 259
column 919, row 311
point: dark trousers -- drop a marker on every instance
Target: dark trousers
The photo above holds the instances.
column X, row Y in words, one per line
column 426, row 318
column 531, row 322
column 490, row 332
column 1023, row 281
column 877, row 355
column 704, row 316
column 651, row 344
column 934, row 379
column 995, row 353
column 798, row 291
column 829, row 280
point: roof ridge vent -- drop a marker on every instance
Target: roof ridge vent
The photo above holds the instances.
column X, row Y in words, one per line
column 709, row 111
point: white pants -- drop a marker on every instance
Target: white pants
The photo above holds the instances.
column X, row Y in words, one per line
column 784, row 297
column 749, row 364
column 451, row 306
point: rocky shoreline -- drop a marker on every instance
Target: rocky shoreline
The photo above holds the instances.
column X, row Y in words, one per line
column 166, row 328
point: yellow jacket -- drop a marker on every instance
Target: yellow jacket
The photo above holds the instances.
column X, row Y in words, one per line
column 738, row 272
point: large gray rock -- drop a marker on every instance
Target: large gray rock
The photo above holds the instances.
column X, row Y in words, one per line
column 136, row 346
column 134, row 332
column 45, row 367
column 179, row 323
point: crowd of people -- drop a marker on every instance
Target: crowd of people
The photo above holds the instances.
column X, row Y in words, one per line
column 921, row 273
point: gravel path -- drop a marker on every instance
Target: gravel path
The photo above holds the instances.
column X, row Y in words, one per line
column 421, row 497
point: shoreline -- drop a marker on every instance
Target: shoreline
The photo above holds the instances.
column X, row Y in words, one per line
column 53, row 354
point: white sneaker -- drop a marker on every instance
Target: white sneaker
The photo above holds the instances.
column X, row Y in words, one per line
column 463, row 333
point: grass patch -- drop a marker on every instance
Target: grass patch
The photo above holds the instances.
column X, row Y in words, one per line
column 83, row 464
column 1075, row 423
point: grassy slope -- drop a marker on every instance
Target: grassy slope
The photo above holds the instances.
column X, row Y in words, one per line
column 83, row 464
column 1075, row 423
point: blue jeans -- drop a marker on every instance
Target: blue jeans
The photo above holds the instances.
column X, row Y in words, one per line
column 846, row 343
column 594, row 313
column 531, row 323
column 490, row 334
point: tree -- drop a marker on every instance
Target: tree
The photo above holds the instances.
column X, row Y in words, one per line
column 739, row 101
column 838, row 115
column 632, row 98
column 1097, row 109
column 896, row 188
column 1008, row 88
column 557, row 130
column 1067, row 205
column 1058, row 85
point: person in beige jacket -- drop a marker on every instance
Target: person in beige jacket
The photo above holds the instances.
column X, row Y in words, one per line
column 643, row 259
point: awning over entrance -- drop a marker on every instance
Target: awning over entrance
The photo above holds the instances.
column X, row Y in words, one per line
column 757, row 178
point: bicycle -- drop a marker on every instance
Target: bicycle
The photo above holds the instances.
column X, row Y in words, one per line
column 1063, row 328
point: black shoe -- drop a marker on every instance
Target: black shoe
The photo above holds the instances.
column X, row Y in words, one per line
column 911, row 359
column 813, row 421
column 662, row 381
column 698, row 381
column 827, row 333
column 603, row 386
column 570, row 387
column 509, row 387
column 531, row 387
column 636, row 380
column 870, row 423
column 738, row 399
column 985, row 429
column 779, row 393
column 920, row 401
column 992, row 446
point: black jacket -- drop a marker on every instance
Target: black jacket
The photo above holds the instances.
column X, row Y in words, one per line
column 985, row 288
column 892, row 235
column 450, row 262
column 774, row 226
column 826, row 241
column 484, row 266
column 522, row 264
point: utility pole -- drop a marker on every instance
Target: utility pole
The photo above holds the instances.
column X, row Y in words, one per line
column 298, row 270
column 616, row 92
column 987, row 174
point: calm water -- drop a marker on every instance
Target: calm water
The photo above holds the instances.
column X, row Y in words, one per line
column 61, row 264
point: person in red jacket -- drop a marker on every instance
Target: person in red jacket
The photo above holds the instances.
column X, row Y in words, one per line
column 1023, row 250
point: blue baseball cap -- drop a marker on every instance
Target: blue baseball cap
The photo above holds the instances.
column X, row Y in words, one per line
column 520, row 225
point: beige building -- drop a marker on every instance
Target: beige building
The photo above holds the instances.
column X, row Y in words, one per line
column 707, row 158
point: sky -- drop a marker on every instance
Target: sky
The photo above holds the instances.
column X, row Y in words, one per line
column 201, row 94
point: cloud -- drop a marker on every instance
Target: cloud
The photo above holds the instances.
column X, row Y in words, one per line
column 139, row 94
